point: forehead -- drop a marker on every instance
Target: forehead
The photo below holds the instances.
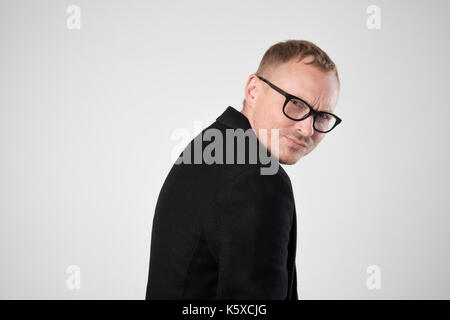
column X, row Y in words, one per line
column 318, row 88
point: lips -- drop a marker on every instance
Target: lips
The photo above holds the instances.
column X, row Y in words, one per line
column 296, row 142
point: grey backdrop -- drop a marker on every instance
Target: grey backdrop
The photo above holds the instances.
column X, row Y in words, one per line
column 87, row 117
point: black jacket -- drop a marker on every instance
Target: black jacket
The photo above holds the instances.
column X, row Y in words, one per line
column 223, row 231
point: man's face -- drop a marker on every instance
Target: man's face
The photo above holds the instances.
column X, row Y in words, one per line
column 264, row 106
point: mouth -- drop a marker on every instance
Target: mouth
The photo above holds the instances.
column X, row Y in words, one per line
column 295, row 143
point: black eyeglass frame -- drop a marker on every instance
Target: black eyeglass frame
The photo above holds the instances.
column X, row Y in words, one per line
column 289, row 97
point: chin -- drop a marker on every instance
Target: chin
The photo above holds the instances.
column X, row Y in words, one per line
column 290, row 158
column 289, row 161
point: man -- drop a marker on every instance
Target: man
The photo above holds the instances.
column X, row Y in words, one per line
column 223, row 229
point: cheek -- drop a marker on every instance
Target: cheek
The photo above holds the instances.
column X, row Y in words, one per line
column 269, row 113
column 287, row 126
column 270, row 116
column 267, row 118
column 281, row 122
column 317, row 137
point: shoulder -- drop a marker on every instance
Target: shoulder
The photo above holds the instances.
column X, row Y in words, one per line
column 249, row 186
column 251, row 200
column 252, row 176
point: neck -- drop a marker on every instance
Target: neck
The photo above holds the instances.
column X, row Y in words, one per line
column 247, row 114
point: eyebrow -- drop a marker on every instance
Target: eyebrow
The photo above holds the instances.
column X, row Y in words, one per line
column 327, row 109
column 283, row 92
column 311, row 105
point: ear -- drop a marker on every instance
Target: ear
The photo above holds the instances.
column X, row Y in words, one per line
column 251, row 90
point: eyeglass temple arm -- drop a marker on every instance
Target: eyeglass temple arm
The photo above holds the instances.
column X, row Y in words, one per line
column 284, row 93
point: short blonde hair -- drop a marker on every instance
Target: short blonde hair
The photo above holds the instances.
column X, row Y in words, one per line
column 282, row 52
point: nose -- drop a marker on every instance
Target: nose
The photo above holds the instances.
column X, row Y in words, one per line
column 305, row 127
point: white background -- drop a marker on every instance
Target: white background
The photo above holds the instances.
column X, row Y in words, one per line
column 86, row 118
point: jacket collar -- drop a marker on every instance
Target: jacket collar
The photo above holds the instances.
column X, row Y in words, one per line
column 234, row 119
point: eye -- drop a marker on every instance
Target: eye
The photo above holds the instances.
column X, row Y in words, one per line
column 298, row 103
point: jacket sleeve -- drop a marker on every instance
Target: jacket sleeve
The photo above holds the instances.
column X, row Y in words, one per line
column 255, row 215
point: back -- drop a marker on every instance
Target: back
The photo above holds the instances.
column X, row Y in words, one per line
column 200, row 205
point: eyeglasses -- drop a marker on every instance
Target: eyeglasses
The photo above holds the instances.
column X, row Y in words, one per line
column 298, row 109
